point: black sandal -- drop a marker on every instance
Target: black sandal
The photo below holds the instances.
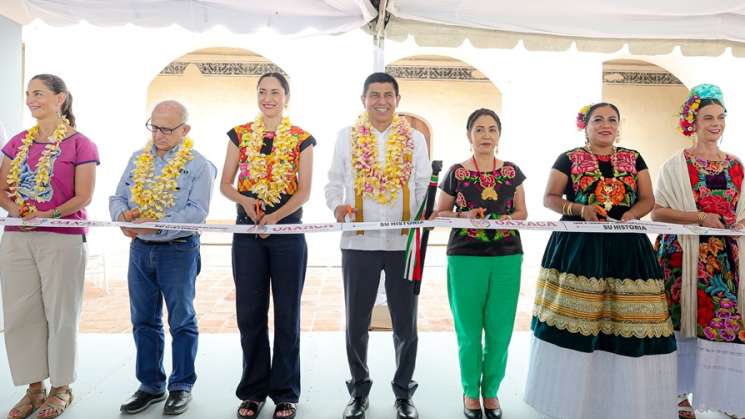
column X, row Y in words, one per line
column 283, row 407
column 250, row 405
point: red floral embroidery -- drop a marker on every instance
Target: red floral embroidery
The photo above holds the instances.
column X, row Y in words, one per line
column 692, row 174
column 626, row 161
column 616, row 194
column 461, row 173
column 508, row 172
column 736, row 175
column 629, row 180
column 585, row 182
column 705, row 308
column 717, row 205
column 582, row 162
column 487, row 181
column 676, row 260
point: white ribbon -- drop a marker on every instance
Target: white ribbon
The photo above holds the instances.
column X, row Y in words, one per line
column 645, row 227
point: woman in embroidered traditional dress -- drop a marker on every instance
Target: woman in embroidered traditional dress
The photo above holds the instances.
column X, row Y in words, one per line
column 603, row 342
column 702, row 185
column 47, row 172
column 483, row 265
column 273, row 160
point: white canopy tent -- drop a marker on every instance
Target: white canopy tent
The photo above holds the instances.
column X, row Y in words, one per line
column 661, row 19
column 648, row 28
column 296, row 19
column 664, row 21
column 282, row 17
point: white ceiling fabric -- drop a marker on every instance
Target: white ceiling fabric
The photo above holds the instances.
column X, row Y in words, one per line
column 646, row 26
column 239, row 16
column 651, row 27
column 642, row 19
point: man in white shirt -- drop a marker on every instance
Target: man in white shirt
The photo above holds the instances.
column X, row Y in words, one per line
column 380, row 172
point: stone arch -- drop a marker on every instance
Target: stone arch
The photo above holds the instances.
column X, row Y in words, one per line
column 648, row 97
column 442, row 91
column 218, row 86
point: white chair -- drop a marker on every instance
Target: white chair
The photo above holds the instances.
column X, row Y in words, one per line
column 95, row 269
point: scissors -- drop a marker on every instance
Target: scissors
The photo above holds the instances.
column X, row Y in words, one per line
column 350, row 211
column 259, row 209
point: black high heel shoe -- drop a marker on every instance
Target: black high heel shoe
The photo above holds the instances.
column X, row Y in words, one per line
column 493, row 413
column 471, row 413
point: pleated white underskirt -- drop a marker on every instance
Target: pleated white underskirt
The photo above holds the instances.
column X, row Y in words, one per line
column 714, row 372
column 567, row 384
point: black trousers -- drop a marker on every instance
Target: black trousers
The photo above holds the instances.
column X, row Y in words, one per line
column 277, row 263
column 361, row 271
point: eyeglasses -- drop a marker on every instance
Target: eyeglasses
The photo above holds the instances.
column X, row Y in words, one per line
column 163, row 130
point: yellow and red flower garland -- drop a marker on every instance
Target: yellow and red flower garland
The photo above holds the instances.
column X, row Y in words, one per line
column 153, row 196
column 382, row 184
column 43, row 166
column 269, row 176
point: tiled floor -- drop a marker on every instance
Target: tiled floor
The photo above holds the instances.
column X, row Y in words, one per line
column 106, row 377
column 322, row 304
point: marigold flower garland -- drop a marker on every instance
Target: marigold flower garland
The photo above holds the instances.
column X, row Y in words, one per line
column 43, row 166
column 269, row 176
column 153, row 196
column 381, row 184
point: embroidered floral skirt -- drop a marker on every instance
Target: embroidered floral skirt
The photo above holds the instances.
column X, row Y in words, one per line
column 711, row 365
column 603, row 341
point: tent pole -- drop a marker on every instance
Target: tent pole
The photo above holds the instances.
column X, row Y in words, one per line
column 379, row 37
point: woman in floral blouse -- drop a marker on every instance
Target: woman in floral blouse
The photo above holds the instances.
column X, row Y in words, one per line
column 483, row 265
column 273, row 160
column 604, row 344
column 702, row 185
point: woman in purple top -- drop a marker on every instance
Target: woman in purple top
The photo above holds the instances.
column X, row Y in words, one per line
column 48, row 171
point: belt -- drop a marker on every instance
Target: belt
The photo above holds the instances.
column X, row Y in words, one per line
column 163, row 243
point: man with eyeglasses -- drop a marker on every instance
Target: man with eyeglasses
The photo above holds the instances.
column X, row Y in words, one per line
column 167, row 181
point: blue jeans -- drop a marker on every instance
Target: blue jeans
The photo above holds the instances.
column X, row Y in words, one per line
column 159, row 271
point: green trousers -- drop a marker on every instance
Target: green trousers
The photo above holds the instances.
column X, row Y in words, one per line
column 483, row 293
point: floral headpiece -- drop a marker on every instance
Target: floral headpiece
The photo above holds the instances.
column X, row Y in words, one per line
column 691, row 106
column 582, row 116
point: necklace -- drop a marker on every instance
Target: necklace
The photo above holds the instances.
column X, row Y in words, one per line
column 609, row 191
column 154, row 195
column 487, row 181
column 269, row 176
column 43, row 167
column 382, row 183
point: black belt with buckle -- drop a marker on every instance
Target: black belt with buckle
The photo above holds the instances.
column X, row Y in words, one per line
column 162, row 243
